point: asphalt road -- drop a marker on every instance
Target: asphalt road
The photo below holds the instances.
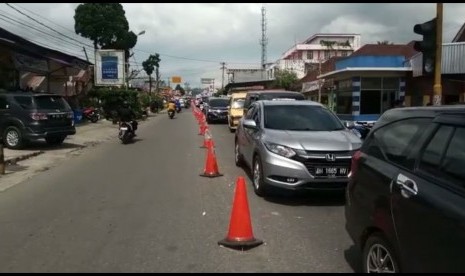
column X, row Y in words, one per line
column 143, row 207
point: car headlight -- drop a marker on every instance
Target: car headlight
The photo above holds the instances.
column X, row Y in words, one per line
column 280, row 150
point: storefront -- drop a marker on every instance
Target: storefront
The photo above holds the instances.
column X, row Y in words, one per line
column 363, row 93
column 366, row 96
column 25, row 65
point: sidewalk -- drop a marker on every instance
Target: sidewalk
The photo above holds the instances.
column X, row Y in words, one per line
column 22, row 164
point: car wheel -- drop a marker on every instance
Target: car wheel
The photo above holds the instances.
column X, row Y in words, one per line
column 259, row 185
column 12, row 138
column 378, row 256
column 237, row 155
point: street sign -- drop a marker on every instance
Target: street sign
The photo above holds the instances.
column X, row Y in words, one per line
column 176, row 79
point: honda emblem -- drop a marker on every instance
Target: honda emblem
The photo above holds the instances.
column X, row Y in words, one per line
column 330, row 157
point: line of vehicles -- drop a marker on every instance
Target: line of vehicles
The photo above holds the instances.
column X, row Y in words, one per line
column 403, row 182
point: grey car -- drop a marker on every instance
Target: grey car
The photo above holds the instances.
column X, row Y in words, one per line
column 294, row 145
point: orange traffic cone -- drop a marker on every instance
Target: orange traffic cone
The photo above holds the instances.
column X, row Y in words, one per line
column 211, row 167
column 208, row 141
column 203, row 127
column 240, row 233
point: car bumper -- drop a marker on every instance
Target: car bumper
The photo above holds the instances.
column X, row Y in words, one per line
column 217, row 117
column 285, row 173
column 32, row 134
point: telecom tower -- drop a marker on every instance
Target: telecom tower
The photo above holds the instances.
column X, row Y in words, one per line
column 264, row 39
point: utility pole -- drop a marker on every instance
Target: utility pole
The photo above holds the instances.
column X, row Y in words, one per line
column 223, row 66
column 437, row 88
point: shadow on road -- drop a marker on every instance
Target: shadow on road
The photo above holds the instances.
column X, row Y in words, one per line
column 42, row 145
column 354, row 258
column 306, row 198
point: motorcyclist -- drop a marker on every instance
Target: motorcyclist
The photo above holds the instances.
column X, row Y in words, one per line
column 178, row 104
column 126, row 114
column 171, row 105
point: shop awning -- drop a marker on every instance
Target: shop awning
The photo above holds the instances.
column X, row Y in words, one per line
column 365, row 69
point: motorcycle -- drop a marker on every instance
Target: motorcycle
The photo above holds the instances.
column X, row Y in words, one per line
column 125, row 132
column 171, row 113
column 90, row 114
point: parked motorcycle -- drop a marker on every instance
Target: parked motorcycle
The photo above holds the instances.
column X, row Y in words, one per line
column 125, row 132
column 90, row 114
column 364, row 128
column 171, row 113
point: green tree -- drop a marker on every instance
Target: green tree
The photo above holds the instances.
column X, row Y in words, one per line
column 106, row 25
column 152, row 63
column 180, row 89
column 285, row 79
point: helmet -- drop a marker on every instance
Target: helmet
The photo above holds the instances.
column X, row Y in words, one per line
column 125, row 104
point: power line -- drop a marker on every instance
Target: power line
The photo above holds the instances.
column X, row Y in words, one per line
column 35, row 20
column 58, row 25
column 38, row 30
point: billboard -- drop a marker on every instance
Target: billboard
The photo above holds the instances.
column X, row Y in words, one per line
column 176, row 79
column 109, row 67
column 206, row 81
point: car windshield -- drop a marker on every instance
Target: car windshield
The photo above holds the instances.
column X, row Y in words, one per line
column 300, row 118
column 238, row 103
column 218, row 102
column 51, row 102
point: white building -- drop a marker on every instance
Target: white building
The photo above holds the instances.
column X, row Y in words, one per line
column 316, row 49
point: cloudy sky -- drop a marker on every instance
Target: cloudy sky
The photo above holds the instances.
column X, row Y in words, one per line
column 193, row 39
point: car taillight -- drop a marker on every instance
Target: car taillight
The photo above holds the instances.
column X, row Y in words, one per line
column 39, row 116
column 354, row 164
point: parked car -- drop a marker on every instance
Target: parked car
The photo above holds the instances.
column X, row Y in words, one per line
column 405, row 201
column 26, row 116
column 257, row 95
column 217, row 109
column 235, row 109
column 294, row 145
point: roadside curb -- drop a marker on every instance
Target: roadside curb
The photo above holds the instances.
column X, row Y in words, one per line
column 14, row 160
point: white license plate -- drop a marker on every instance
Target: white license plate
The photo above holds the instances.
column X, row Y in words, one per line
column 331, row 171
column 124, row 128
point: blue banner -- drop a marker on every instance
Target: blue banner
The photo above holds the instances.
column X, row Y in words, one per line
column 110, row 67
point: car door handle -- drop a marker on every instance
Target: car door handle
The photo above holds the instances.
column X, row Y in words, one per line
column 408, row 186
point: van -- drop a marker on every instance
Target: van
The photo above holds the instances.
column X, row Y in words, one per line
column 258, row 95
column 235, row 109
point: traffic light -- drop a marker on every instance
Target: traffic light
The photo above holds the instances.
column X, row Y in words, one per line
column 428, row 45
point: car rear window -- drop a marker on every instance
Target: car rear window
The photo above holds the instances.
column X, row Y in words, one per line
column 218, row 102
column 238, row 103
column 51, row 102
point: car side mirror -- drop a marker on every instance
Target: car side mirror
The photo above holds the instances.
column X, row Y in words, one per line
column 250, row 124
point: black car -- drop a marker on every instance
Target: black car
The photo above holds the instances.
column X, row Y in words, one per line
column 405, row 201
column 217, row 110
column 26, row 116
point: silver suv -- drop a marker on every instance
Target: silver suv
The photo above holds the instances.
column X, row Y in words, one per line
column 294, row 145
